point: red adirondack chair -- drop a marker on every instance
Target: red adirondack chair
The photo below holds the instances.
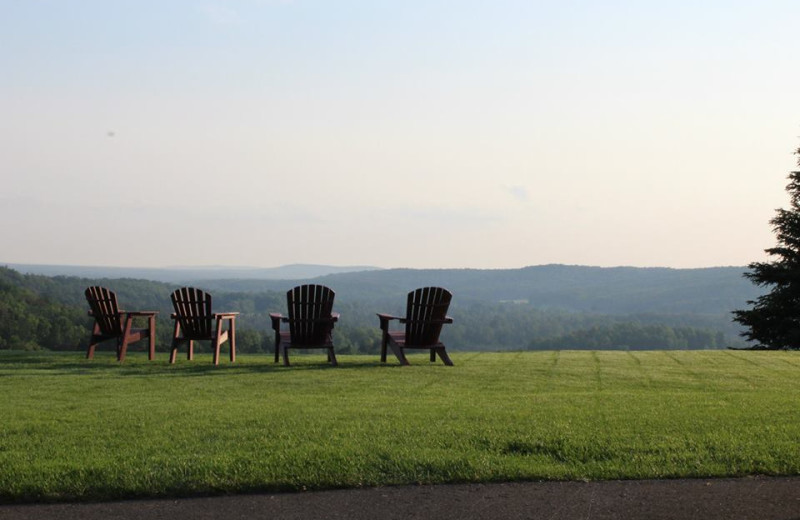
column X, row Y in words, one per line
column 310, row 321
column 110, row 322
column 426, row 312
column 193, row 322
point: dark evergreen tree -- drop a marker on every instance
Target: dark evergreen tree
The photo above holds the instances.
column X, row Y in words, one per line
column 774, row 319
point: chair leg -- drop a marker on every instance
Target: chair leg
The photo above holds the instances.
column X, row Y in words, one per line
column 215, row 361
column 151, row 345
column 398, row 352
column 173, row 351
column 123, row 349
column 217, row 341
column 433, row 356
column 126, row 336
column 285, row 352
column 332, row 357
column 232, row 335
column 93, row 341
column 175, row 342
column 443, row 356
column 383, row 348
column 190, row 354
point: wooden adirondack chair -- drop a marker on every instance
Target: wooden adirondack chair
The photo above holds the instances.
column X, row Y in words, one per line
column 193, row 322
column 310, row 322
column 110, row 322
column 426, row 312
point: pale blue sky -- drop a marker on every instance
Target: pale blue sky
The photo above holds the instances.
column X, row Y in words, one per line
column 395, row 133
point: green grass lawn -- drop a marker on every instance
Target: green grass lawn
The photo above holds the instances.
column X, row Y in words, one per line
column 75, row 430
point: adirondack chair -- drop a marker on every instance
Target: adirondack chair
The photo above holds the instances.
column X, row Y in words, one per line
column 310, row 322
column 111, row 322
column 193, row 322
column 426, row 312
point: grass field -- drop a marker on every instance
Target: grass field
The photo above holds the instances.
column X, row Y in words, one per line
column 85, row 430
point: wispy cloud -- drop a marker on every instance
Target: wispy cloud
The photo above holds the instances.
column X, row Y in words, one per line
column 518, row 192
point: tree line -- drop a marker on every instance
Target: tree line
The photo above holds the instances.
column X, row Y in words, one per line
column 31, row 321
column 40, row 312
column 633, row 336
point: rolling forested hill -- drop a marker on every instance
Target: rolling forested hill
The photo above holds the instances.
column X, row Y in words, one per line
column 618, row 290
column 188, row 274
column 540, row 307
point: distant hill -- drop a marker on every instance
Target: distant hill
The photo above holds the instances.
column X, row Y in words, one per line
column 616, row 290
column 538, row 307
column 189, row 274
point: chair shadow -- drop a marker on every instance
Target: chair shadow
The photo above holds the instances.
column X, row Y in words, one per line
column 136, row 364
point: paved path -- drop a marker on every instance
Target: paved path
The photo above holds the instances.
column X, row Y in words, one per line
column 740, row 499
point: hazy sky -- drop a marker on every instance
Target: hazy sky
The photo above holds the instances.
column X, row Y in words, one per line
column 396, row 133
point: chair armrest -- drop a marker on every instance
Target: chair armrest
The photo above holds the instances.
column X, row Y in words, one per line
column 385, row 319
column 141, row 313
column 446, row 319
column 276, row 319
column 225, row 315
column 332, row 319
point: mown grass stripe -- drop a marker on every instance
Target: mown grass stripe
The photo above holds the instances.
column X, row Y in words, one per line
column 640, row 368
column 744, row 359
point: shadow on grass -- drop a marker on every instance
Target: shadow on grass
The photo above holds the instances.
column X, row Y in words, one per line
column 137, row 365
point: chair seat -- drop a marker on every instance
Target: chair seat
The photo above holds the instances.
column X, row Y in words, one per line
column 399, row 338
column 133, row 332
column 286, row 339
column 203, row 337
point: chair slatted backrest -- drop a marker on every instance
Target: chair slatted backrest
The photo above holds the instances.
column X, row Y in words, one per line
column 193, row 309
column 425, row 314
column 105, row 310
column 310, row 309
